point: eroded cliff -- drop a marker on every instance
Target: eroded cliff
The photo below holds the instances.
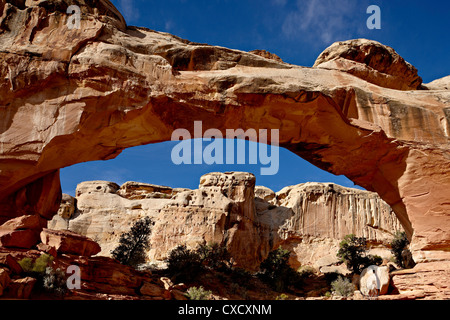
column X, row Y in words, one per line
column 309, row 219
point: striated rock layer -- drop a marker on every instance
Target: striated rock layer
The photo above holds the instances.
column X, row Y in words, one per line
column 73, row 95
column 309, row 219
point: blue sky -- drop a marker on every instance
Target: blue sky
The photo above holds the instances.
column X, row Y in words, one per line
column 297, row 31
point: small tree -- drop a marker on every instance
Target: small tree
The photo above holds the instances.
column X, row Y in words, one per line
column 276, row 270
column 214, row 255
column 183, row 264
column 134, row 244
column 398, row 244
column 352, row 251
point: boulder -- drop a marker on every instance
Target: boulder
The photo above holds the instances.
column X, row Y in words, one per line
column 32, row 222
column 21, row 288
column 25, row 239
column 67, row 207
column 105, row 274
column 152, row 289
column 374, row 277
column 7, row 260
column 4, row 280
column 20, row 232
column 47, row 249
column 65, row 241
column 371, row 61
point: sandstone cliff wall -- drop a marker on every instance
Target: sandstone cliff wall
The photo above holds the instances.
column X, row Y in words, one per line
column 309, row 219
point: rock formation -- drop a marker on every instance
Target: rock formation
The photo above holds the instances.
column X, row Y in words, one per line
column 309, row 219
column 374, row 277
column 70, row 95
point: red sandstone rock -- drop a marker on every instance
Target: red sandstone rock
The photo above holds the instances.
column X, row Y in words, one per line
column 23, row 222
column 151, row 289
column 47, row 249
column 19, row 238
column 20, row 232
column 9, row 261
column 371, row 61
column 4, row 280
column 69, row 242
column 95, row 91
column 383, row 140
column 20, row 288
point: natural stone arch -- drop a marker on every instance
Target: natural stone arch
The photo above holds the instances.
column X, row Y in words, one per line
column 69, row 96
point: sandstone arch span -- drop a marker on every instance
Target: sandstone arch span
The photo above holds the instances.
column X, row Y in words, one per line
column 69, row 96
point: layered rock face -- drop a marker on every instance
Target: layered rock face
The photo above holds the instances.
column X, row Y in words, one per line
column 104, row 211
column 70, row 95
column 309, row 219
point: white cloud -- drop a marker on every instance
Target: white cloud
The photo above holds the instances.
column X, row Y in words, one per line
column 323, row 20
column 129, row 10
column 169, row 26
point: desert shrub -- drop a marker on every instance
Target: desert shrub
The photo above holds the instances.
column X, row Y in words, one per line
column 398, row 244
column 134, row 244
column 352, row 251
column 37, row 266
column 183, row 264
column 214, row 255
column 276, row 271
column 26, row 264
column 282, row 296
column 342, row 287
column 370, row 260
column 48, row 279
column 54, row 281
column 241, row 277
column 194, row 293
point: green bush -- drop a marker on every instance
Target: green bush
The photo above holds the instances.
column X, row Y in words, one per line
column 352, row 251
column 200, row 293
column 398, row 244
column 183, row 264
column 282, row 296
column 37, row 266
column 52, row 281
column 342, row 287
column 276, row 271
column 133, row 245
column 26, row 264
column 214, row 256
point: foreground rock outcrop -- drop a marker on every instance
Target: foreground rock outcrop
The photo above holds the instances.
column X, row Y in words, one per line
column 309, row 219
column 70, row 95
